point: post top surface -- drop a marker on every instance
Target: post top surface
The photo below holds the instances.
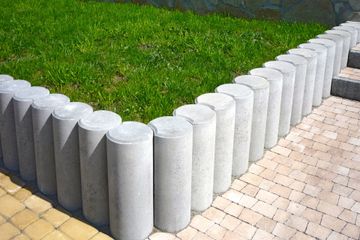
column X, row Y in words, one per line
column 326, row 42
column 170, row 127
column 72, row 111
column 130, row 132
column 282, row 66
column 31, row 93
column 51, row 101
column 216, row 101
column 236, row 91
column 307, row 53
column 12, row 86
column 292, row 58
column 267, row 73
column 196, row 114
column 330, row 36
column 314, row 46
column 254, row 82
column 339, row 32
column 5, row 77
column 100, row 121
column 346, row 28
column 351, row 24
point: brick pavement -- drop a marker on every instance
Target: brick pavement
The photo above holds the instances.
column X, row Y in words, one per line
column 352, row 73
column 307, row 187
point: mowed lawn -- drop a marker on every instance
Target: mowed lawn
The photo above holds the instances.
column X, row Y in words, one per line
column 139, row 61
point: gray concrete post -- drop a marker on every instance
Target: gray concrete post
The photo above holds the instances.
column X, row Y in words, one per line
column 203, row 120
column 330, row 61
column 7, row 122
column 224, row 106
column 339, row 41
column 130, row 176
column 320, row 71
column 289, row 72
column 173, row 141
column 299, row 88
column 346, row 44
column 311, row 57
column 275, row 79
column 352, row 31
column 244, row 100
column 93, row 164
column 354, row 25
column 24, row 129
column 66, row 150
column 261, row 87
column 42, row 110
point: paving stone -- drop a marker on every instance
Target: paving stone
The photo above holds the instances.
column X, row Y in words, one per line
column 8, row 231
column 57, row 235
column 317, row 231
column 38, row 229
column 77, row 229
column 55, row 217
column 9, row 206
column 216, row 232
column 189, row 233
column 23, row 218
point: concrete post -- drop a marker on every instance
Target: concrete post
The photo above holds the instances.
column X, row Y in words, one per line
column 244, row 101
column 42, row 109
column 354, row 25
column 7, row 122
column 130, row 157
column 260, row 86
column 339, row 41
column 66, row 149
column 346, row 46
column 275, row 79
column 224, row 106
column 311, row 57
column 93, row 164
column 352, row 31
column 299, row 88
column 173, row 141
column 330, row 61
column 320, row 71
column 289, row 72
column 203, row 120
column 24, row 129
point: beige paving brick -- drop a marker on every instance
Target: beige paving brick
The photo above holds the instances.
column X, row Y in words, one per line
column 261, row 235
column 281, row 203
column 234, row 209
column 201, row 223
column 232, row 195
column 337, row 236
column 56, row 235
column 312, row 215
column 189, row 233
column 160, row 236
column 55, row 217
column 250, row 190
column 283, row 231
column 216, row 232
column 312, row 190
column 296, row 196
column 22, row 194
column 37, row 204
column 230, row 223
column 247, row 201
column 21, row 237
column 329, row 208
column 348, row 216
column 317, row 231
column 266, row 196
column 101, row 236
column 238, row 185
column 266, row 224
column 351, row 230
column 213, row 214
column 264, row 209
column 296, row 208
column 296, row 222
column 329, row 197
column 221, row 203
column 11, row 187
column 332, row 223
column 250, row 216
column 8, row 231
column 301, row 236
column 23, row 218
column 201, row 236
column 281, row 190
column 78, row 230
column 38, row 229
column 281, row 216
column 9, row 206
column 232, row 236
column 251, row 178
column 245, row 230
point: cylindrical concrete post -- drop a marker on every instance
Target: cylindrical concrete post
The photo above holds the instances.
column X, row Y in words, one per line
column 7, row 122
column 244, row 99
column 320, row 71
column 66, row 150
column 93, row 164
column 346, row 44
column 339, row 41
column 354, row 25
column 42, row 110
column 130, row 176
column 275, row 79
column 203, row 120
column 352, row 31
column 289, row 72
column 299, row 88
column 224, row 106
column 311, row 57
column 24, row 129
column 260, row 86
column 330, row 61
column 173, row 141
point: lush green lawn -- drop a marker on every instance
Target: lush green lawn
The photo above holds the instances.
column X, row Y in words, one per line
column 138, row 61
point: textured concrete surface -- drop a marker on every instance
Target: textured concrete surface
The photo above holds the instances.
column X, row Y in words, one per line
column 347, row 84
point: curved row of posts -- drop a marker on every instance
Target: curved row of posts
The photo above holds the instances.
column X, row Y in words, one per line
column 134, row 176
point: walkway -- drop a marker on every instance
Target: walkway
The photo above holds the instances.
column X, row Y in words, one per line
column 307, row 187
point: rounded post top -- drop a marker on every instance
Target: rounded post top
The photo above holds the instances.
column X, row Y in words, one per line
column 72, row 111
column 170, row 127
column 326, row 42
column 314, row 46
column 130, row 133
column 282, row 66
column 351, row 24
column 100, row 121
column 12, row 86
column 339, row 32
column 51, row 101
column 307, row 53
column 237, row 91
column 267, row 73
column 31, row 93
column 196, row 114
column 346, row 28
column 254, row 82
column 5, row 78
column 216, row 101
column 330, row 36
column 292, row 58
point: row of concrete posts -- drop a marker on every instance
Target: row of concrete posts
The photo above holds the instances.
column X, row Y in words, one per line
column 134, row 176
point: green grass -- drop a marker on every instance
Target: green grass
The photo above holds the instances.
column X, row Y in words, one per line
column 139, row 61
